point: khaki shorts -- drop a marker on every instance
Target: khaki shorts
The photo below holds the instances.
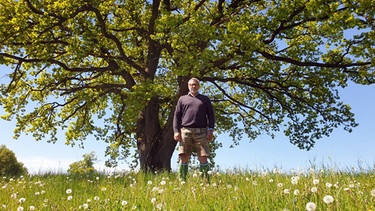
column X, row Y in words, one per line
column 194, row 138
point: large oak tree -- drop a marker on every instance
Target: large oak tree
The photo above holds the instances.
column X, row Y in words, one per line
column 114, row 69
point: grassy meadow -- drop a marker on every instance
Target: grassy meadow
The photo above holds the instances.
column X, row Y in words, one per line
column 227, row 190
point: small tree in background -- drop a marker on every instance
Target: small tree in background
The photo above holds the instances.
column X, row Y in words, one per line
column 85, row 166
column 9, row 166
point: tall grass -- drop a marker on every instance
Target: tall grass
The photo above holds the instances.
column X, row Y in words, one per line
column 231, row 190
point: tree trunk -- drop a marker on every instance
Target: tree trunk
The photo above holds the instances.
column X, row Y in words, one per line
column 148, row 129
column 155, row 144
column 162, row 151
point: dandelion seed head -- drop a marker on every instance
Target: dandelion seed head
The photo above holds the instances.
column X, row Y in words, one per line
column 336, row 185
column 294, row 180
column 328, row 199
column 286, row 191
column 31, row 208
column 373, row 192
column 153, row 200
column 68, row 191
column 149, row 182
column 96, row 198
column 296, row 192
column 159, row 206
column 311, row 206
column 22, row 200
column 328, row 185
column 85, row 206
column 70, row 198
column 314, row 189
column 20, row 209
column 315, row 181
column 280, row 185
column 104, row 189
column 163, row 182
column 124, row 203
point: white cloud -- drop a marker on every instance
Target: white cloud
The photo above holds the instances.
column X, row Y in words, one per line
column 38, row 164
column 42, row 165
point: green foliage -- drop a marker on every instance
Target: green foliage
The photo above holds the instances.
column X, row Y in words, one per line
column 94, row 68
column 85, row 166
column 232, row 190
column 9, row 166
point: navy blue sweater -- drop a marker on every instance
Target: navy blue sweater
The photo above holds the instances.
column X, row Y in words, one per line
column 193, row 111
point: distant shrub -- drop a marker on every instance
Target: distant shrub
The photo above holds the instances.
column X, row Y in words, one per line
column 9, row 166
column 85, row 166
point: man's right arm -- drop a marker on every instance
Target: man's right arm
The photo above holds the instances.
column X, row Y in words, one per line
column 177, row 122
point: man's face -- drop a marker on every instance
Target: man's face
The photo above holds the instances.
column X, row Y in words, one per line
column 193, row 87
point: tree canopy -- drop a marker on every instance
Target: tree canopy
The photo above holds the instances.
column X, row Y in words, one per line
column 9, row 165
column 114, row 69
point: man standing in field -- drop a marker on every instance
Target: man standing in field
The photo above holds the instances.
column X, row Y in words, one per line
column 193, row 126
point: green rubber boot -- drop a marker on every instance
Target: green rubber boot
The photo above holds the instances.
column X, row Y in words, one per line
column 204, row 168
column 183, row 170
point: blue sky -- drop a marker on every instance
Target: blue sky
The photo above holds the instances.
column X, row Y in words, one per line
column 342, row 150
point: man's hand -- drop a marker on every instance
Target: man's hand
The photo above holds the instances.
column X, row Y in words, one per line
column 210, row 135
column 177, row 136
